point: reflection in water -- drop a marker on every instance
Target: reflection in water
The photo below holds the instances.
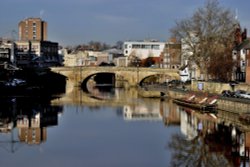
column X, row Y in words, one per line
column 140, row 112
column 195, row 139
column 29, row 118
column 208, row 142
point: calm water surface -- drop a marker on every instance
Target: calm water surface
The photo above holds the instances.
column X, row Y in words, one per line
column 38, row 134
column 115, row 129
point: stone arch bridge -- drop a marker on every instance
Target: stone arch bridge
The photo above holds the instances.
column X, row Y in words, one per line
column 130, row 76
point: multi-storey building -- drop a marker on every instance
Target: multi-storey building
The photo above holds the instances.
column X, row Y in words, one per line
column 143, row 49
column 239, row 54
column 38, row 53
column 33, row 48
column 32, row 29
column 5, row 51
column 171, row 55
column 248, row 64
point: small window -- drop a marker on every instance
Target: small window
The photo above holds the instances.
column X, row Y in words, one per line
column 156, row 47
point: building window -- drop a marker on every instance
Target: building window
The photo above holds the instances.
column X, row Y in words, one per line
column 156, row 47
column 136, row 46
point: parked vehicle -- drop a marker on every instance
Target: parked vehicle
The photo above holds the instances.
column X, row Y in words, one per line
column 228, row 93
column 242, row 94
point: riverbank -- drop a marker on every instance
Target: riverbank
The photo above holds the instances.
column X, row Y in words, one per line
column 234, row 105
column 31, row 82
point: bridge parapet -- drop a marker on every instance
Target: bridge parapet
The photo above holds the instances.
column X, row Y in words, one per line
column 132, row 75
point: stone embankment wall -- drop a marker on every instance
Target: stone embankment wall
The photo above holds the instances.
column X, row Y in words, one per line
column 228, row 104
column 233, row 105
column 217, row 87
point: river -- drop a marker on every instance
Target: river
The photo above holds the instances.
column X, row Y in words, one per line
column 115, row 128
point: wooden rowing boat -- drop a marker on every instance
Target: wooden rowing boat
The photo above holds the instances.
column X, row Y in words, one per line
column 205, row 104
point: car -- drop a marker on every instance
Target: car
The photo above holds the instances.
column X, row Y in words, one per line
column 227, row 93
column 246, row 95
column 242, row 94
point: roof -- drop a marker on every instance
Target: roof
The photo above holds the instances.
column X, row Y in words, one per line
column 114, row 51
column 243, row 45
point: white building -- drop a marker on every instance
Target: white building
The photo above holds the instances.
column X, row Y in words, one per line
column 184, row 73
column 143, row 49
column 187, row 52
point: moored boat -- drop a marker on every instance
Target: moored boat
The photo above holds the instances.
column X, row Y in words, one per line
column 206, row 104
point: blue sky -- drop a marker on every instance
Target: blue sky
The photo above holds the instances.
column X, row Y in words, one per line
column 72, row 22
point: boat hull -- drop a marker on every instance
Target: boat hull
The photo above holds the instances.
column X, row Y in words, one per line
column 201, row 107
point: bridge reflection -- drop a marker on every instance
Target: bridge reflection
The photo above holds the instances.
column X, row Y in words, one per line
column 222, row 134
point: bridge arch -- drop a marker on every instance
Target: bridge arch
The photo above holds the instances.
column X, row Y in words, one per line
column 109, row 79
column 161, row 78
column 131, row 76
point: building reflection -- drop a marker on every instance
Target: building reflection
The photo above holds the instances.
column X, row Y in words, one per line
column 29, row 118
column 137, row 113
column 171, row 116
column 209, row 140
column 212, row 139
column 144, row 111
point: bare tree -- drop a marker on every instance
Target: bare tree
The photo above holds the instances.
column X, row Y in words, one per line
column 195, row 153
column 134, row 61
column 207, row 34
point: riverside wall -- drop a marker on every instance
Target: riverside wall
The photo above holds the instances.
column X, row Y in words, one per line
column 217, row 87
column 233, row 105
